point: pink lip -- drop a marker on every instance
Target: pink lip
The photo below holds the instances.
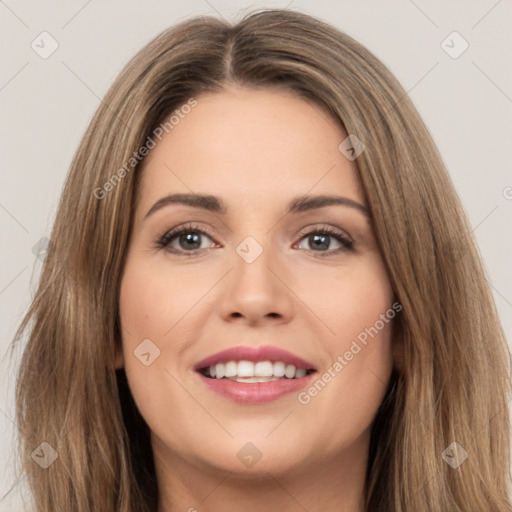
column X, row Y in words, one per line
column 254, row 354
column 258, row 392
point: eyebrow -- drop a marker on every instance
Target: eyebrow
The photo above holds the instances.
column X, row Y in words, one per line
column 216, row 205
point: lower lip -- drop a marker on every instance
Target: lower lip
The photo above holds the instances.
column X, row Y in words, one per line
column 257, row 392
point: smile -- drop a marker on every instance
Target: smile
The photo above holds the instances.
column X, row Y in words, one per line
column 254, row 375
column 248, row 371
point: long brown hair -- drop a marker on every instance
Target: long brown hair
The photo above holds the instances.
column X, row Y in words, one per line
column 454, row 384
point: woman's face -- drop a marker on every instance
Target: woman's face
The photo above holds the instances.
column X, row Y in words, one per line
column 255, row 273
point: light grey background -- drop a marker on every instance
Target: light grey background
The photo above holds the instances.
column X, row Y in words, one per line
column 46, row 105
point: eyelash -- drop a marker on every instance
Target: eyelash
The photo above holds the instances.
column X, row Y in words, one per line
column 164, row 240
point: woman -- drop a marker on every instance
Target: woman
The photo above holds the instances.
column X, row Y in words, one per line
column 253, row 373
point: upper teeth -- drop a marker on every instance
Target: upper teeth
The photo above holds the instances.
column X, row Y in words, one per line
column 259, row 369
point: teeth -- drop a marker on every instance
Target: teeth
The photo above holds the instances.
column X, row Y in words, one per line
column 262, row 371
column 246, row 369
column 230, row 369
column 300, row 372
column 255, row 379
column 219, row 371
column 279, row 369
column 289, row 371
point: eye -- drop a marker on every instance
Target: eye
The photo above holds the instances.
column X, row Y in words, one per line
column 187, row 238
column 321, row 239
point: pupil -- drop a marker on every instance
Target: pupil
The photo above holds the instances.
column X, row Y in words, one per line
column 190, row 238
column 320, row 241
column 317, row 238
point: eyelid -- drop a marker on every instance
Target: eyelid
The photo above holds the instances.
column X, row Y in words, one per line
column 163, row 240
column 344, row 238
column 346, row 241
column 332, row 230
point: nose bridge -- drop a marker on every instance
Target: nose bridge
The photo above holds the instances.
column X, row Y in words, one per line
column 251, row 249
column 256, row 234
column 255, row 291
column 253, row 259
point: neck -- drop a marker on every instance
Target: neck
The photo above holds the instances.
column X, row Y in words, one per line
column 334, row 485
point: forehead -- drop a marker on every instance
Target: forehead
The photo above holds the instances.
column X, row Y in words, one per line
column 251, row 147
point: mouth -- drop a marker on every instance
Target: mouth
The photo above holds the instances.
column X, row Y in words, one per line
column 249, row 371
column 254, row 375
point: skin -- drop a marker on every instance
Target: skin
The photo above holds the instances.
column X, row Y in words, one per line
column 241, row 146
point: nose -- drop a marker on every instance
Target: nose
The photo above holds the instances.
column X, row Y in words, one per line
column 257, row 292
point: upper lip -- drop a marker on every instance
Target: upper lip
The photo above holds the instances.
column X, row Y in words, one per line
column 254, row 354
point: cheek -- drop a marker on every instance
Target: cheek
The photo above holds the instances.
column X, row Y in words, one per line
column 350, row 299
column 357, row 307
column 153, row 299
column 356, row 388
column 156, row 304
column 149, row 308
